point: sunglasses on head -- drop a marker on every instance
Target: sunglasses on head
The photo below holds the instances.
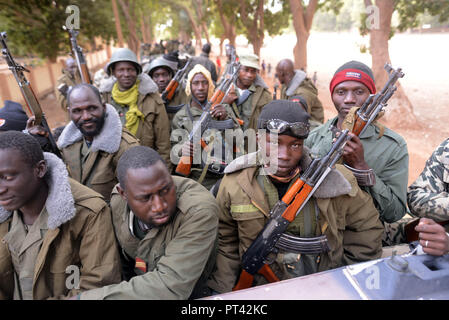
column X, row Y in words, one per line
column 299, row 129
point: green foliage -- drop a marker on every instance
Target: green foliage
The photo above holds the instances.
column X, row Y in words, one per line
column 276, row 22
column 35, row 27
column 411, row 11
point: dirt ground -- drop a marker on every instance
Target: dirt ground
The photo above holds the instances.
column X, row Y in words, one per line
column 421, row 56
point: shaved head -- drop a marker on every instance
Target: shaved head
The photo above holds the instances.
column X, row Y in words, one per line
column 285, row 70
column 71, row 66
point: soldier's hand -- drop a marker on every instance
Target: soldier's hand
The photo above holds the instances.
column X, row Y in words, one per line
column 219, row 112
column 353, row 154
column 432, row 237
column 35, row 129
column 231, row 96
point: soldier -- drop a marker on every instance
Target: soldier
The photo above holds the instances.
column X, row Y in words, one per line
column 339, row 209
column 57, row 235
column 93, row 142
column 199, row 89
column 428, row 198
column 166, row 227
column 135, row 97
column 252, row 92
column 12, row 117
column 162, row 70
column 69, row 78
column 379, row 157
column 295, row 86
column 204, row 60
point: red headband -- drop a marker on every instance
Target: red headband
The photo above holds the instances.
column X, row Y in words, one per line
column 353, row 75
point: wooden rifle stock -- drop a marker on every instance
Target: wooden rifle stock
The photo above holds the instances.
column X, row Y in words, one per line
column 285, row 211
column 246, row 279
column 32, row 104
column 375, row 103
column 170, row 90
column 79, row 56
column 184, row 166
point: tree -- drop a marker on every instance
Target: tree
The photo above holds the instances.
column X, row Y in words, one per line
column 228, row 20
column 377, row 23
column 302, row 23
column 35, row 27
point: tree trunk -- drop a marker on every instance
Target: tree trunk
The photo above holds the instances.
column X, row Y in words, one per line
column 229, row 26
column 399, row 104
column 143, row 27
column 254, row 26
column 302, row 23
column 128, row 11
column 118, row 27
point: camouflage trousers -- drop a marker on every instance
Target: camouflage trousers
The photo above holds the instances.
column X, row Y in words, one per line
column 394, row 232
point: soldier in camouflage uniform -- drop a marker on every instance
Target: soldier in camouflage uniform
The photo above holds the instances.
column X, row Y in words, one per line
column 428, row 199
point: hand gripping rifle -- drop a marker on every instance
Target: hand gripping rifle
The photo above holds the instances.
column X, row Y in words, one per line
column 170, row 90
column 185, row 163
column 284, row 212
column 79, row 56
column 376, row 102
column 31, row 101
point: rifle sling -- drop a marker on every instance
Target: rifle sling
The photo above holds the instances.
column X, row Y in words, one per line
column 245, row 95
column 174, row 109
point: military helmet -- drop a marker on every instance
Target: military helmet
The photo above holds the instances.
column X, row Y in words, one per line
column 123, row 54
column 161, row 62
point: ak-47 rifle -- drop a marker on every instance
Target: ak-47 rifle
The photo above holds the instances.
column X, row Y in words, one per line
column 79, row 56
column 185, row 163
column 170, row 90
column 284, row 212
column 31, row 101
column 375, row 103
column 231, row 64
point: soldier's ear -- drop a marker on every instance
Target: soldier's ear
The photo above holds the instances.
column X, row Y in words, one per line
column 121, row 191
column 41, row 169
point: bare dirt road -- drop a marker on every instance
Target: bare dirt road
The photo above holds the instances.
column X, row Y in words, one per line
column 423, row 58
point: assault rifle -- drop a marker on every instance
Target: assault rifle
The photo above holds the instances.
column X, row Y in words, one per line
column 79, row 56
column 284, row 212
column 376, row 102
column 230, row 67
column 31, row 101
column 170, row 90
column 185, row 163
column 275, row 92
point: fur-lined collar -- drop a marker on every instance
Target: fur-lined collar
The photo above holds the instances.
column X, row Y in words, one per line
column 146, row 85
column 60, row 203
column 326, row 190
column 298, row 78
column 108, row 140
column 260, row 82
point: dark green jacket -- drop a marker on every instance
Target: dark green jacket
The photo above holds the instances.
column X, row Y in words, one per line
column 176, row 254
column 386, row 155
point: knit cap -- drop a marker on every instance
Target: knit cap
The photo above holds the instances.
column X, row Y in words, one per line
column 354, row 71
column 12, row 117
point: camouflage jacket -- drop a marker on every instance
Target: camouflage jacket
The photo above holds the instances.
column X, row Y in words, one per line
column 428, row 196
